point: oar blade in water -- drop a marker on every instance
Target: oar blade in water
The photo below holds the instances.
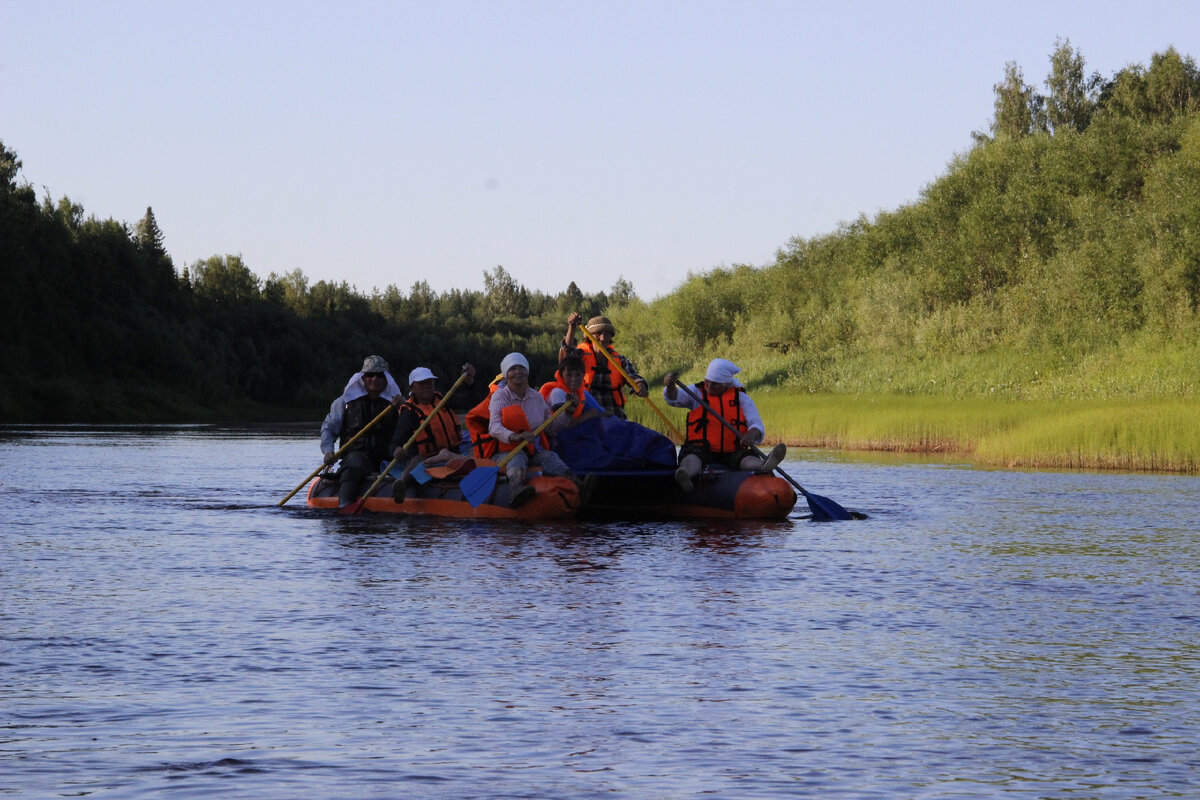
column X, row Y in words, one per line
column 824, row 509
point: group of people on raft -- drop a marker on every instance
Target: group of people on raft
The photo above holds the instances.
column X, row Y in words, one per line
column 508, row 417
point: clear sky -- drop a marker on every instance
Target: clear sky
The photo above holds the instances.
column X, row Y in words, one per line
column 389, row 142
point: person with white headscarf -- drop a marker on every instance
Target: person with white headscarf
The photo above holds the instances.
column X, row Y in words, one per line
column 708, row 441
column 516, row 392
column 369, row 391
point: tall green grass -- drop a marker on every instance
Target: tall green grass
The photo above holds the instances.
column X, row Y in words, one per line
column 1144, row 435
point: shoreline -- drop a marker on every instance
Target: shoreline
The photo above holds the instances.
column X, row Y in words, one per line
column 1154, row 435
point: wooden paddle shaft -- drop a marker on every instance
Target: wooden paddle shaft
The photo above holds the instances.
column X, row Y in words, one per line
column 357, row 506
column 340, row 450
column 617, row 364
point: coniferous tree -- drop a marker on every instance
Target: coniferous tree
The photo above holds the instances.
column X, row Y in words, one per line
column 150, row 238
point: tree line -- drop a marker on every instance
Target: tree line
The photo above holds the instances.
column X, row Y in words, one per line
column 1058, row 257
column 105, row 329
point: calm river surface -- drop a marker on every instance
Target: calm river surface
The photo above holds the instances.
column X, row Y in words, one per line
column 166, row 630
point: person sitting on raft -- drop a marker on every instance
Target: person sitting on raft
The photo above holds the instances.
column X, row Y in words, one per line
column 440, row 441
column 516, row 391
column 568, row 380
column 708, row 441
column 367, row 394
column 599, row 376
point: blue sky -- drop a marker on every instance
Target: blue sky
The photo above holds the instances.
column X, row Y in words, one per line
column 390, row 142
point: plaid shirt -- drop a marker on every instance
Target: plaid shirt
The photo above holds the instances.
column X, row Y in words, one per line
column 600, row 383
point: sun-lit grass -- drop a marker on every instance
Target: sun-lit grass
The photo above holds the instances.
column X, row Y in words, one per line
column 1154, row 435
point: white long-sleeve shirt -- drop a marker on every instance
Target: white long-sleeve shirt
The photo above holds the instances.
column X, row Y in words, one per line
column 536, row 409
column 750, row 413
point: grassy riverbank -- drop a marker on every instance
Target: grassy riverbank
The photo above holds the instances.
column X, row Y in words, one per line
column 1145, row 435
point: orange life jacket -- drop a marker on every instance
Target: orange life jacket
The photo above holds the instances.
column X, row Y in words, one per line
column 441, row 432
column 557, row 383
column 703, row 429
column 513, row 418
column 594, row 362
column 478, row 420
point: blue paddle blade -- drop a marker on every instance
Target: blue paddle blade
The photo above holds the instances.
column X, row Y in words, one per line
column 478, row 484
column 419, row 474
column 824, row 509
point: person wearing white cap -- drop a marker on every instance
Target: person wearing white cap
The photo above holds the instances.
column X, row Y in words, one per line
column 709, row 441
column 441, row 439
column 368, row 393
column 516, row 391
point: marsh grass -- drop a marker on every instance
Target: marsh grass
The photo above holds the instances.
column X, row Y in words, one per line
column 1122, row 434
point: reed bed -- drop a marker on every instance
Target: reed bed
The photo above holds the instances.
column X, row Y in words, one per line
column 1161, row 435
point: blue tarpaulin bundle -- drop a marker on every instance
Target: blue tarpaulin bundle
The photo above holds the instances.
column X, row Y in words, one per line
column 609, row 443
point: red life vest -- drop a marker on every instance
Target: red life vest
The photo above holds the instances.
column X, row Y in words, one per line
column 594, row 362
column 513, row 418
column 478, row 420
column 557, row 383
column 703, row 429
column 441, row 432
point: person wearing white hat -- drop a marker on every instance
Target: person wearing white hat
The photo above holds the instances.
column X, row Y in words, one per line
column 368, row 393
column 708, row 441
column 516, row 391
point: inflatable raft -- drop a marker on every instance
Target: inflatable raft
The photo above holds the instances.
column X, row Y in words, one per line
column 716, row 494
column 553, row 498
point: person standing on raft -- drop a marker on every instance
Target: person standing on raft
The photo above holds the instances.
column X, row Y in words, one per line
column 708, row 441
column 599, row 377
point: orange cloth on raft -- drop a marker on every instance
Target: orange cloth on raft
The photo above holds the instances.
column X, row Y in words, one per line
column 514, row 419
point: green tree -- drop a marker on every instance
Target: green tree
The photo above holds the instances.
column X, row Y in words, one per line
column 224, row 280
column 502, row 292
column 421, row 299
column 150, row 238
column 1071, row 100
column 1172, row 85
column 289, row 290
column 10, row 166
column 1018, row 108
column 622, row 292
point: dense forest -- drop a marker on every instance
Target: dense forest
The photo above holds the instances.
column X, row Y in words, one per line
column 104, row 328
column 1058, row 257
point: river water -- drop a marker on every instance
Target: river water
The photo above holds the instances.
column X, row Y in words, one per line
column 167, row 630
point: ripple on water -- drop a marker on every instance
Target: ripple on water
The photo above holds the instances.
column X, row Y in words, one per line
column 984, row 633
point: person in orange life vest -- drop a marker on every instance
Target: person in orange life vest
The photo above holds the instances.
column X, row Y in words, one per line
column 600, row 377
column 568, row 380
column 441, row 439
column 368, row 393
column 708, row 440
column 516, row 391
column 478, row 419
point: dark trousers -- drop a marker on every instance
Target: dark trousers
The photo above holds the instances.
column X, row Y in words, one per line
column 355, row 467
